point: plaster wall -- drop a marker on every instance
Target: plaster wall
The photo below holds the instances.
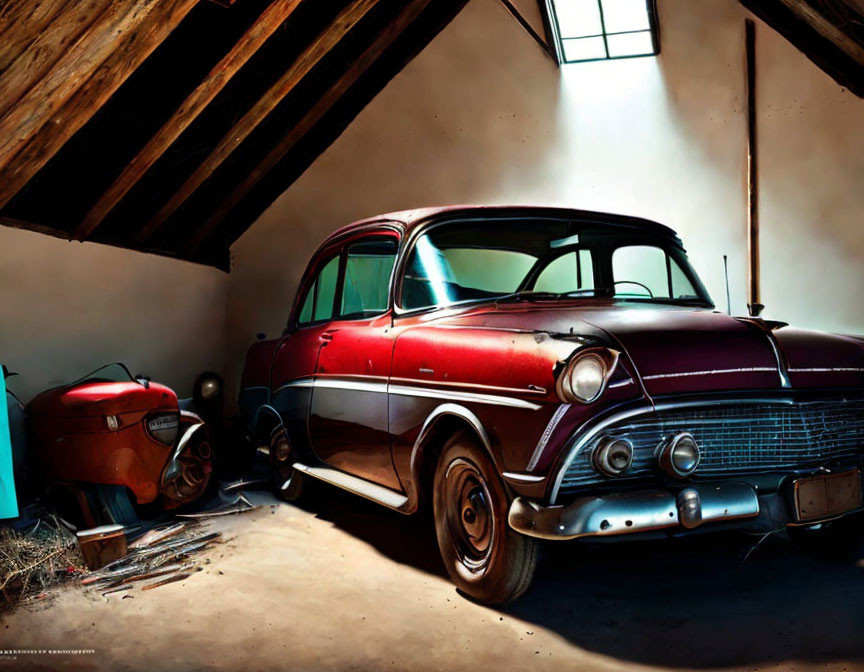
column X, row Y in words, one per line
column 68, row 308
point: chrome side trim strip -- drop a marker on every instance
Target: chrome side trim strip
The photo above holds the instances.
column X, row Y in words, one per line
column 621, row 383
column 517, row 477
column 372, row 491
column 355, row 385
column 712, row 372
column 782, row 369
column 582, row 438
column 837, row 369
column 363, row 384
column 300, row 382
column 547, row 433
column 418, row 382
column 477, row 398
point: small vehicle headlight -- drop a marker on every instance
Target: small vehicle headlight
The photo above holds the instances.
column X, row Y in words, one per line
column 209, row 385
column 680, row 456
column 612, row 456
column 163, row 427
column 583, row 379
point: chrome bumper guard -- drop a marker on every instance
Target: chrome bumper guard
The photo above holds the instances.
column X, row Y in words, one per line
column 630, row 512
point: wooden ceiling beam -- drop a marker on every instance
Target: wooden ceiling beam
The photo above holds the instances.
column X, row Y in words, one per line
column 216, row 80
column 48, row 47
column 79, row 84
column 21, row 23
column 816, row 20
column 384, row 40
column 310, row 56
column 856, row 5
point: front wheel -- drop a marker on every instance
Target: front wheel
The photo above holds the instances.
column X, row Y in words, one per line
column 485, row 558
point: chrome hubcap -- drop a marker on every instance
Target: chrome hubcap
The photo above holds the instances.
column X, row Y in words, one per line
column 470, row 518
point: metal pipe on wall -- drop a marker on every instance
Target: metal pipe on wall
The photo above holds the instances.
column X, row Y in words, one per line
column 754, row 303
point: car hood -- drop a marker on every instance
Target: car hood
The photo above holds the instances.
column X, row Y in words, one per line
column 675, row 350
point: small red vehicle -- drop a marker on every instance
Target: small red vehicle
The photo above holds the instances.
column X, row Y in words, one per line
column 110, row 435
column 541, row 373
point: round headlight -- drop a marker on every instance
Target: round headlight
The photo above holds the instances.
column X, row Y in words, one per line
column 613, row 457
column 208, row 385
column 583, row 379
column 680, row 456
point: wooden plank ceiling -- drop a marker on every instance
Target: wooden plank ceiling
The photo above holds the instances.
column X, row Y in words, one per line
column 829, row 32
column 168, row 126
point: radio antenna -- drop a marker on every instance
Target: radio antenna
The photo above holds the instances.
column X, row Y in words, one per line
column 726, row 272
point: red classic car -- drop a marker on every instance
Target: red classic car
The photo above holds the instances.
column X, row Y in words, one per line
column 539, row 373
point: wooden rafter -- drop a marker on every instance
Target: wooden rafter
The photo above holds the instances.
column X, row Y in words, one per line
column 222, row 73
column 77, row 85
column 826, row 29
column 21, row 23
column 48, row 47
column 384, row 40
column 328, row 39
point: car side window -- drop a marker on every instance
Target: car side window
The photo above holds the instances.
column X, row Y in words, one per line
column 366, row 285
column 321, row 295
column 568, row 273
column 646, row 271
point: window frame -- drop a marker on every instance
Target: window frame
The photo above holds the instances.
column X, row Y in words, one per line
column 343, row 265
column 337, row 247
column 553, row 28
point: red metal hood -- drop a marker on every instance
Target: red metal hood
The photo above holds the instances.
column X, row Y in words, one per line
column 93, row 399
column 679, row 350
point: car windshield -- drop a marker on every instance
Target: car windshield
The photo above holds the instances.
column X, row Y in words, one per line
column 550, row 259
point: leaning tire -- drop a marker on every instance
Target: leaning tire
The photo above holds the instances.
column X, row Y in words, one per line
column 288, row 484
column 485, row 558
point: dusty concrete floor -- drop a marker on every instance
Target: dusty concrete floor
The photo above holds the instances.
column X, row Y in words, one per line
column 344, row 585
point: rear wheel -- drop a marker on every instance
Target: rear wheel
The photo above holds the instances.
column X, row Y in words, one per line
column 485, row 558
column 289, row 484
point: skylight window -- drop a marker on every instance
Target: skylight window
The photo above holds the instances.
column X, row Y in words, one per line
column 594, row 30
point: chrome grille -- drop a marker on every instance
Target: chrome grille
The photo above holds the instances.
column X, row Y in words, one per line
column 738, row 438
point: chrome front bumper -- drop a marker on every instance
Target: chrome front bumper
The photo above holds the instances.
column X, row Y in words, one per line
column 630, row 512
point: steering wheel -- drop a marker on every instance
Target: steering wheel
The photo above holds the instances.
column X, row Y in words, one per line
column 633, row 282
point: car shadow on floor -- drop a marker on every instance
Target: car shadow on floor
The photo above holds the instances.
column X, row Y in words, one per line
column 688, row 603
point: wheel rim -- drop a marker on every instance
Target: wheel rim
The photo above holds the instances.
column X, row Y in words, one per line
column 469, row 514
column 280, row 454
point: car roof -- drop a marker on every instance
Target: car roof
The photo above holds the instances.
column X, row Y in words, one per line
column 412, row 219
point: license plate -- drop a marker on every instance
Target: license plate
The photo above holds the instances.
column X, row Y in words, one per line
column 827, row 495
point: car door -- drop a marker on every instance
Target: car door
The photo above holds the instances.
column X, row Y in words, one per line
column 348, row 423
column 297, row 356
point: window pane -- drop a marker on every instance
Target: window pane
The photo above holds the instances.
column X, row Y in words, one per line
column 631, row 44
column 640, row 271
column 623, row 15
column 319, row 301
column 306, row 312
column 682, row 288
column 585, row 49
column 443, row 270
column 567, row 274
column 578, row 18
column 497, row 271
column 367, row 277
